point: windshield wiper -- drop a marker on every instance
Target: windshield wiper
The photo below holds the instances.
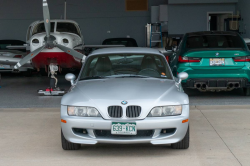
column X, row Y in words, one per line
column 93, row 77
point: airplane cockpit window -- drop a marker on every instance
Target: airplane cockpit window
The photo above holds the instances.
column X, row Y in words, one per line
column 67, row 27
column 40, row 28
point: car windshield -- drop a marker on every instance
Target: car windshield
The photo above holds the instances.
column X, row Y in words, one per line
column 126, row 65
column 214, row 41
column 40, row 28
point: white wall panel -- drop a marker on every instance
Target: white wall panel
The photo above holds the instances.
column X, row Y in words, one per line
column 200, row 1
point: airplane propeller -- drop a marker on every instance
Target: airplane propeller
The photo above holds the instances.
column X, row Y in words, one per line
column 46, row 17
column 50, row 41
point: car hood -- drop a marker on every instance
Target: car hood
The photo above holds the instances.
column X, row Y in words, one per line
column 144, row 92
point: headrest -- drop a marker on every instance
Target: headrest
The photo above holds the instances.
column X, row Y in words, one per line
column 148, row 63
column 195, row 42
column 213, row 44
column 103, row 64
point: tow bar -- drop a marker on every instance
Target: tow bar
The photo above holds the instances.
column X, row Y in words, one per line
column 51, row 92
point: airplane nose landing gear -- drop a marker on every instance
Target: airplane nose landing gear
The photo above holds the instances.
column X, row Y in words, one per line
column 53, row 90
column 53, row 80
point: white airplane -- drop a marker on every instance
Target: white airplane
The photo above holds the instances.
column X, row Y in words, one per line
column 54, row 45
column 65, row 33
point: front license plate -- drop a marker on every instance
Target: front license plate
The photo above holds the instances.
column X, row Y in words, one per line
column 123, row 128
column 217, row 61
column 4, row 66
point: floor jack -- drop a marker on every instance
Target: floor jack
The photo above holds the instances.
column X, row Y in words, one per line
column 53, row 90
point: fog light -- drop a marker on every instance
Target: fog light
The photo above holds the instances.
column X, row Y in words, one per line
column 80, row 131
column 168, row 131
column 84, row 131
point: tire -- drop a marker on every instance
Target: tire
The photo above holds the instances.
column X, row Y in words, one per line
column 66, row 145
column 184, row 144
column 246, row 91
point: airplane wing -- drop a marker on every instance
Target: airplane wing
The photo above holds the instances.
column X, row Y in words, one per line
column 16, row 47
column 79, row 47
column 12, row 61
column 87, row 49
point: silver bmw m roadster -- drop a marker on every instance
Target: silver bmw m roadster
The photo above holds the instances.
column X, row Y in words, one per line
column 125, row 96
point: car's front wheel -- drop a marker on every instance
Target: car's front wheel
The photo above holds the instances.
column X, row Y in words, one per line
column 184, row 144
column 246, row 91
column 66, row 145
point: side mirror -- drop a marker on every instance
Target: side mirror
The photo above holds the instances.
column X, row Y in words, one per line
column 84, row 58
column 182, row 76
column 71, row 77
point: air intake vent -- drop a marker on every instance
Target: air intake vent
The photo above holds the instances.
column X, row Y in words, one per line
column 115, row 111
column 133, row 111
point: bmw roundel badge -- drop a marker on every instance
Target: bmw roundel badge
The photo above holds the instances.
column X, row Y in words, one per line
column 217, row 54
column 124, row 102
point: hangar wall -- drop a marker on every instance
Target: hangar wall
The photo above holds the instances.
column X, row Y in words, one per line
column 200, row 1
column 193, row 17
column 243, row 8
column 95, row 17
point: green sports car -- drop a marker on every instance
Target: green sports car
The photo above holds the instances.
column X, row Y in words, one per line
column 214, row 61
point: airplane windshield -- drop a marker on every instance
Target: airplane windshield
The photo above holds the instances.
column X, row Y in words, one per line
column 67, row 27
column 40, row 28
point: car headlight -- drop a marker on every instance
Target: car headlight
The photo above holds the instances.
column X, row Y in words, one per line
column 83, row 111
column 165, row 111
column 65, row 42
column 35, row 42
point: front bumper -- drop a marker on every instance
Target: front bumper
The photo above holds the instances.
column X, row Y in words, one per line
column 155, row 124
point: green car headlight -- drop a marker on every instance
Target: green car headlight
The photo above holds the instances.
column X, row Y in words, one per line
column 83, row 111
column 165, row 111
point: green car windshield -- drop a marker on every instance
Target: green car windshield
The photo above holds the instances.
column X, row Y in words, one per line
column 214, row 42
column 126, row 65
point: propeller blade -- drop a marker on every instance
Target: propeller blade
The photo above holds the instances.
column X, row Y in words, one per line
column 28, row 57
column 46, row 17
column 70, row 51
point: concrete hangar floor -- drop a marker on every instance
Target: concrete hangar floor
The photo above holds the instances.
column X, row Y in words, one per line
column 30, row 131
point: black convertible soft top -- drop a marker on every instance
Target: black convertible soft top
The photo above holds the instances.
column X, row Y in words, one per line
column 127, row 42
column 212, row 33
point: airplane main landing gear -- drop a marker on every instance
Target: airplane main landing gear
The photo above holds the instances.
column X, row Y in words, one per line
column 53, row 90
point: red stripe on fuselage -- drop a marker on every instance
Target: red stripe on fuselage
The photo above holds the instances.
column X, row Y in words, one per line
column 62, row 59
